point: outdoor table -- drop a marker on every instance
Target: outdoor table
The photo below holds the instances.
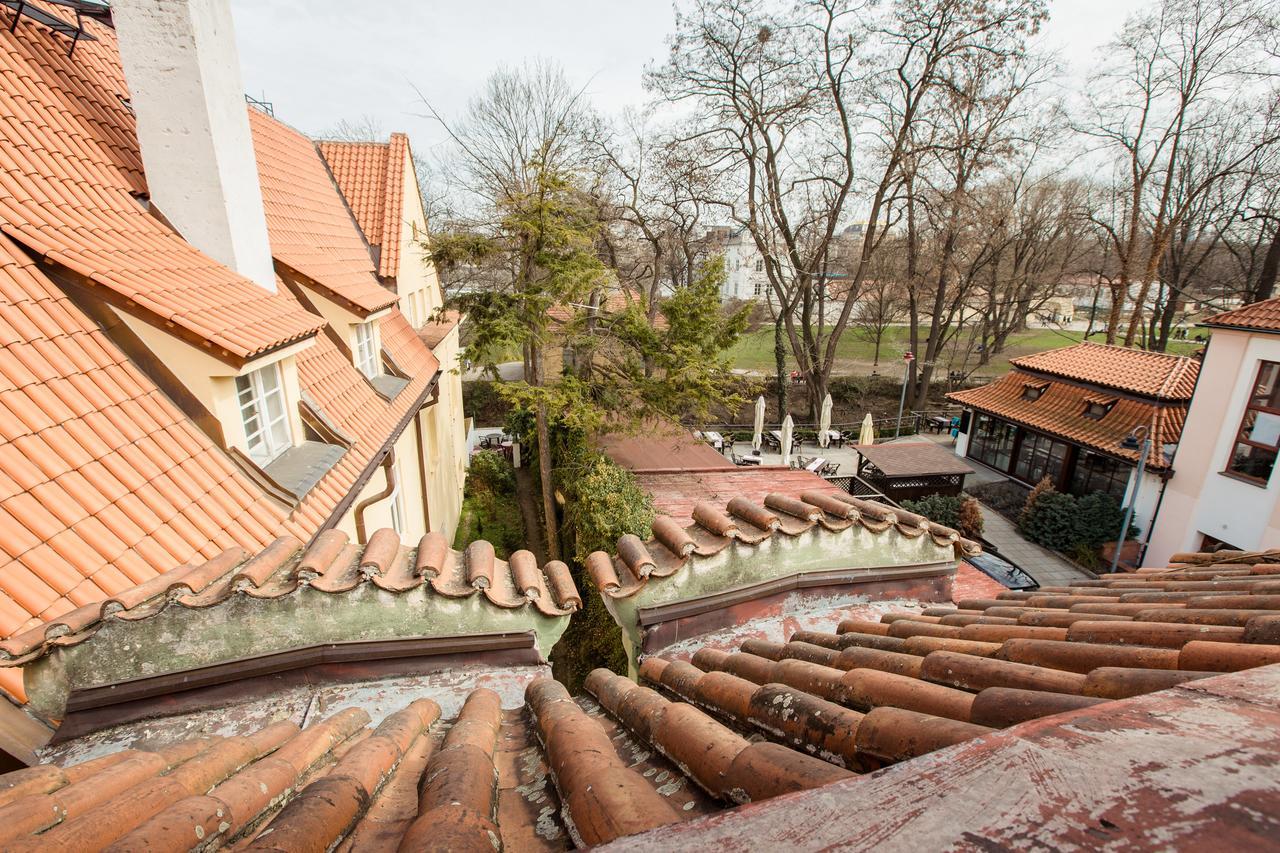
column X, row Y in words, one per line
column 815, row 464
column 834, row 436
column 938, row 423
column 713, row 438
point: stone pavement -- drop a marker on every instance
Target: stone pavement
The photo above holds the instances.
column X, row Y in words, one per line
column 1044, row 565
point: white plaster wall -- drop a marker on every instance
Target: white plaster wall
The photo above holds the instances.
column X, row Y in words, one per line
column 183, row 72
column 1201, row 500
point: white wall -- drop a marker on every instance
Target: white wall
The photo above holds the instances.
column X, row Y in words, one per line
column 1201, row 500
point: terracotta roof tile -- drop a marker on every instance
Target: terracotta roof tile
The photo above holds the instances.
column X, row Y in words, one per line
column 1260, row 316
column 1151, row 374
column 68, row 190
column 311, row 229
column 371, row 177
column 1059, row 411
column 807, row 715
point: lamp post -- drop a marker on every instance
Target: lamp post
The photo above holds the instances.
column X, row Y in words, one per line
column 907, row 358
column 1132, row 441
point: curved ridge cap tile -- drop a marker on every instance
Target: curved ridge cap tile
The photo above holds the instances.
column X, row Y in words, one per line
column 830, row 504
column 668, row 532
column 450, row 579
column 481, row 560
column 909, row 520
column 379, row 552
column 872, row 510
column 706, row 543
column 635, row 556
column 968, row 547
column 272, row 571
column 320, row 556
column 401, row 575
column 749, row 534
column 600, row 565
column 212, row 582
column 752, row 513
column 560, row 581
column 667, row 562
column 525, row 575
column 792, row 526
column 793, row 507
column 502, row 592
column 343, row 573
column 433, row 552
column 711, row 519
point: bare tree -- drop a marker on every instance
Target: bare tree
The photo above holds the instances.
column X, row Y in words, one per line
column 1168, row 86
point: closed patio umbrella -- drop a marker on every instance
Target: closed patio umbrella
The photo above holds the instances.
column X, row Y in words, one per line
column 787, row 427
column 824, row 422
column 867, row 435
column 757, row 437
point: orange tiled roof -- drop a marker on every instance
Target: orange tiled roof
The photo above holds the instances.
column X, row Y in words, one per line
column 1035, row 672
column 1059, row 411
column 1150, row 374
column 70, row 179
column 371, row 177
column 676, row 493
column 433, row 332
column 1262, row 316
column 310, row 225
column 103, row 481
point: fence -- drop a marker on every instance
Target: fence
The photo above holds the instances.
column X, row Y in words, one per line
column 860, row 488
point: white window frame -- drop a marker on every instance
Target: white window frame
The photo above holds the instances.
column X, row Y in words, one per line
column 267, row 433
column 365, row 351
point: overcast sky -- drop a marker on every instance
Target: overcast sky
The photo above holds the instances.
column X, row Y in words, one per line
column 322, row 61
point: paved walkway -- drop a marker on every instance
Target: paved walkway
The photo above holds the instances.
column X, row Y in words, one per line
column 1044, row 565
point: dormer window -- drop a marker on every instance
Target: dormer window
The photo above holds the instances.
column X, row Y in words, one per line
column 266, row 419
column 366, row 349
column 1096, row 410
column 1031, row 393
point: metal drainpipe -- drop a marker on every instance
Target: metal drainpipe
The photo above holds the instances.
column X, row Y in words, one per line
column 388, row 467
column 422, row 470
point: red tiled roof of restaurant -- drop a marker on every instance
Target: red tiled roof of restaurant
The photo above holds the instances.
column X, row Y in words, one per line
column 104, row 483
column 70, row 177
column 311, row 228
column 1059, row 411
column 1259, row 316
column 371, row 177
column 1149, row 374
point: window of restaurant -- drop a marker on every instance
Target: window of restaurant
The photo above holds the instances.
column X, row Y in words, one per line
column 1258, row 439
column 1038, row 457
column 991, row 441
column 1097, row 473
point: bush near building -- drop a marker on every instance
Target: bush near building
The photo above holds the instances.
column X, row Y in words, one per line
column 1076, row 526
column 489, row 508
column 960, row 512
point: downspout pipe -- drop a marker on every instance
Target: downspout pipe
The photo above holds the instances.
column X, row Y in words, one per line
column 389, row 468
column 422, row 471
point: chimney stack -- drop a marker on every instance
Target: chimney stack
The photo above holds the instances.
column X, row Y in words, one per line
column 183, row 71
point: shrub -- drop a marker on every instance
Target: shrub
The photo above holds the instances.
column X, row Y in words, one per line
column 491, row 472
column 603, row 502
column 1042, row 488
column 1005, row 497
column 970, row 522
column 1098, row 519
column 940, row 509
column 1050, row 520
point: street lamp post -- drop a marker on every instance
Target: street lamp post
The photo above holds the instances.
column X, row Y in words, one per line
column 1131, row 442
column 907, row 358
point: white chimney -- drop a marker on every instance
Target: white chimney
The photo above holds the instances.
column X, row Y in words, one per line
column 183, row 72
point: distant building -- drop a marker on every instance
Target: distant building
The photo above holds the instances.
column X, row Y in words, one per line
column 1068, row 415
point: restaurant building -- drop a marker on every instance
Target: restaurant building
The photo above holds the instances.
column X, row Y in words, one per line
column 1077, row 415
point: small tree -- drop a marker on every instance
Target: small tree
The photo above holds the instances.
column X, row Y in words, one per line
column 970, row 521
column 1042, row 488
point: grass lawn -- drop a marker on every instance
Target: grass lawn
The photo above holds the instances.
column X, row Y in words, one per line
column 854, row 355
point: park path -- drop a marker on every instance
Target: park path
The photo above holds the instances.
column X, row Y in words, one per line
column 527, row 499
column 1048, row 568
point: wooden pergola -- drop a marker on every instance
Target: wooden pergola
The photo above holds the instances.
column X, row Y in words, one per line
column 912, row 469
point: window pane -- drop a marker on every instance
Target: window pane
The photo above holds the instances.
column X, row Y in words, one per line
column 1267, row 390
column 1264, row 429
column 1253, row 461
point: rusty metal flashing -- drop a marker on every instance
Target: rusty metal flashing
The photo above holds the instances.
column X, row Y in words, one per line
column 654, row 615
column 358, row 651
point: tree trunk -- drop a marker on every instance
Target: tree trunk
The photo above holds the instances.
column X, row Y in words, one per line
column 780, row 363
column 549, row 521
column 1266, row 285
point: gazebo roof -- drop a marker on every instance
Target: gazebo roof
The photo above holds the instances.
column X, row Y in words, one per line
column 913, row 459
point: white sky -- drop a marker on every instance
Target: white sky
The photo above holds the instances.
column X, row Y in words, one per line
column 321, row 61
